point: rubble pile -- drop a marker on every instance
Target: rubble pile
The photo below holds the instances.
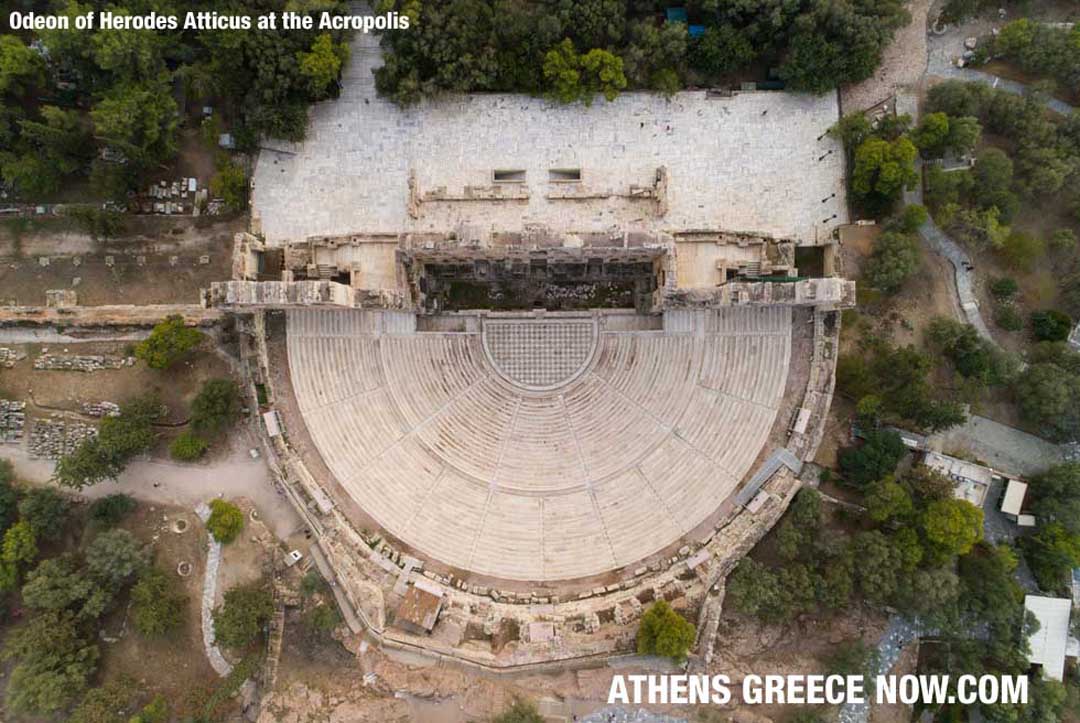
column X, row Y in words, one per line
column 53, row 438
column 101, row 409
column 76, row 363
column 10, row 357
column 12, row 420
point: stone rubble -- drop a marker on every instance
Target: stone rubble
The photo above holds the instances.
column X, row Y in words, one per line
column 81, row 363
column 10, row 357
column 54, row 438
column 101, row 409
column 12, row 420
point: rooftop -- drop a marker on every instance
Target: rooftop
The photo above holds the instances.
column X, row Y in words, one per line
column 1048, row 643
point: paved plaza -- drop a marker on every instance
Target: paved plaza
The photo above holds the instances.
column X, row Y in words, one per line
column 540, row 450
column 753, row 162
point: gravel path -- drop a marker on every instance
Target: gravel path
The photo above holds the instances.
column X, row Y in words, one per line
column 964, row 273
column 620, row 715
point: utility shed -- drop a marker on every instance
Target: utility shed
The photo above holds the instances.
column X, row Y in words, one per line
column 419, row 609
column 971, row 481
column 1013, row 500
column 1049, row 642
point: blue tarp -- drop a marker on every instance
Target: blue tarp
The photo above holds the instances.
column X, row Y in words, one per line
column 696, row 31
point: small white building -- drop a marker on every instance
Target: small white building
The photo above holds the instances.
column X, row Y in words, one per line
column 1050, row 642
column 971, row 481
column 1013, row 500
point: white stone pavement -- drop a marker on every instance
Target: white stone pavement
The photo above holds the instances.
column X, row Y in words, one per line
column 757, row 161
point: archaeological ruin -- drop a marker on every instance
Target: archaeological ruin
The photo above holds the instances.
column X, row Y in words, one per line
column 524, row 369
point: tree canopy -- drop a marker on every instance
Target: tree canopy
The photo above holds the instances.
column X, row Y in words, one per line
column 664, row 632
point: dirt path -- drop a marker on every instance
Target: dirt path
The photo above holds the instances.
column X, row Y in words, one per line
column 233, row 475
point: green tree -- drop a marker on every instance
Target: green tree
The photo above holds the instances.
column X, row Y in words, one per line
column 754, row 589
column 993, row 174
column 321, row 66
column 110, row 510
column 9, row 496
column 887, row 500
column 131, row 55
column 115, row 557
column 1051, row 325
column 20, row 67
column 722, row 50
column 877, row 566
column 1055, row 496
column 883, row 169
column 1048, row 396
column 225, row 522
column 931, row 136
column 58, row 584
column 964, row 134
column 46, row 511
column 1051, row 553
column 53, row 664
column 240, row 620
column 953, row 525
column 875, row 459
column 664, row 632
column 158, row 605
column 894, row 258
column 216, row 407
column 19, row 549
column 138, row 119
column 973, row 356
column 169, row 341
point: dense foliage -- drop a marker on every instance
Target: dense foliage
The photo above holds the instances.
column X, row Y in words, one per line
column 102, row 104
column 572, row 49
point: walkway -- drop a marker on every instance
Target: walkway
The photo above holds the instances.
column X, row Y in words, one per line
column 209, row 594
column 965, row 276
column 900, row 632
column 183, row 485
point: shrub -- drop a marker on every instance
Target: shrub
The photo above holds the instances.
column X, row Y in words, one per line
column 520, row 711
column 1004, row 288
column 664, row 632
column 241, row 618
column 1007, row 317
column 168, row 343
column 187, row 447
column 226, row 521
column 110, row 510
column 1051, row 325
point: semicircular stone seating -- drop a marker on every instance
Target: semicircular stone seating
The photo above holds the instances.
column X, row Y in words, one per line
column 539, row 450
